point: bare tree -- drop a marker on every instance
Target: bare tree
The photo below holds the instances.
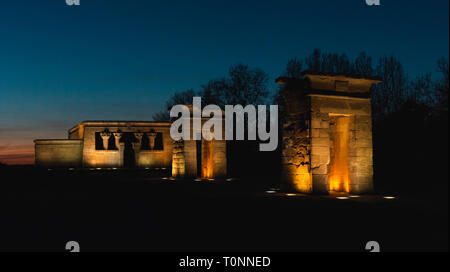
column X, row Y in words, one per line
column 442, row 86
column 314, row 61
column 161, row 116
column 178, row 98
column 294, row 68
column 243, row 86
column 363, row 65
column 388, row 96
column 212, row 92
column 421, row 90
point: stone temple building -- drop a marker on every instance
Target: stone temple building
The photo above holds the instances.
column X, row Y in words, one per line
column 132, row 144
column 327, row 133
column 326, row 140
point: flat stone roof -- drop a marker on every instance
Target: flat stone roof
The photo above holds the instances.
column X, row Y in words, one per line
column 58, row 141
column 348, row 75
column 120, row 123
column 331, row 84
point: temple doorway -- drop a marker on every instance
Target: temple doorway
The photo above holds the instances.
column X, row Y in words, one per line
column 338, row 175
column 129, row 158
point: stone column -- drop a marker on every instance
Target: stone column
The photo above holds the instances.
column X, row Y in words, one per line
column 137, row 146
column 117, row 136
column 178, row 160
column 151, row 139
column 105, row 137
column 120, row 146
column 121, row 154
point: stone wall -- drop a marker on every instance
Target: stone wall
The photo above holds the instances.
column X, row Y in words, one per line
column 153, row 159
column 77, row 132
column 109, row 153
column 327, row 134
column 114, row 158
column 58, row 153
column 200, row 158
column 178, row 160
column 296, row 146
column 360, row 161
column 220, row 158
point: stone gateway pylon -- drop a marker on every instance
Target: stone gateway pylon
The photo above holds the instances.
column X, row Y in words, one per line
column 199, row 158
column 327, row 134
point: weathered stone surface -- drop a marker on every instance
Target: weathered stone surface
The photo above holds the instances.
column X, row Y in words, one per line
column 220, row 159
column 320, row 141
column 316, row 146
column 178, row 160
column 94, row 155
column 320, row 184
column 58, row 153
column 316, row 123
column 320, row 170
column 363, row 143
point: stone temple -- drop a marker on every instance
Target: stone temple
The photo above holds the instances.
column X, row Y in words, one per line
column 132, row 144
column 326, row 140
column 327, row 134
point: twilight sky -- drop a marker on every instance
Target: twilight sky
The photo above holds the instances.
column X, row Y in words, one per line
column 122, row 59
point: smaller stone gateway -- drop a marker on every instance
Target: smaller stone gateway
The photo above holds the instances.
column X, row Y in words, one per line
column 199, row 158
column 327, row 134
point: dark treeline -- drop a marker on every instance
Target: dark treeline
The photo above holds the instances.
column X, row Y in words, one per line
column 410, row 116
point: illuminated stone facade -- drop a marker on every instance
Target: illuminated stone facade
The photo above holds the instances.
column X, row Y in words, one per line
column 120, row 144
column 109, row 144
column 327, row 134
column 200, row 158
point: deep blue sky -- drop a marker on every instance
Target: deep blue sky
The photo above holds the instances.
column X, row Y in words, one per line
column 122, row 59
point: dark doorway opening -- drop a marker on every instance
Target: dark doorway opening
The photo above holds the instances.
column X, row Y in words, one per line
column 129, row 160
column 199, row 157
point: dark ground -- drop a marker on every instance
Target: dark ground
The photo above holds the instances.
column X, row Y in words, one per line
column 107, row 210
